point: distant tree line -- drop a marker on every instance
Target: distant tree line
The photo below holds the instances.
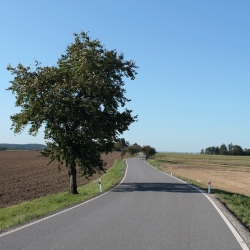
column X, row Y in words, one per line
column 231, row 149
column 120, row 144
column 30, row 146
column 125, row 147
column 2, row 148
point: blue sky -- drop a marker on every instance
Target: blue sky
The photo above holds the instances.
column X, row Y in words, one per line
column 193, row 82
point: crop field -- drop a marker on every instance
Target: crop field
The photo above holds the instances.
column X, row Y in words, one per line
column 229, row 173
column 25, row 176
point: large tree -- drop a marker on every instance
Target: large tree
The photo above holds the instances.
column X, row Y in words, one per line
column 223, row 149
column 210, row 150
column 80, row 101
column 148, row 151
column 237, row 150
column 230, row 148
column 120, row 144
column 134, row 149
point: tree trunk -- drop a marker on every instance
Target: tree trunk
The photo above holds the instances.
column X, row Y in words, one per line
column 72, row 180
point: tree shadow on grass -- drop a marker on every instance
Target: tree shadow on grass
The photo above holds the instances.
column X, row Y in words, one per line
column 155, row 187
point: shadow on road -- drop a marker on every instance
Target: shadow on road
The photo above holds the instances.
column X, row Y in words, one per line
column 155, row 187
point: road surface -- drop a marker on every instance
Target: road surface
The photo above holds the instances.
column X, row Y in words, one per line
column 149, row 210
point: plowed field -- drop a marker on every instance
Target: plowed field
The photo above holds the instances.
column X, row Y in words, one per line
column 24, row 176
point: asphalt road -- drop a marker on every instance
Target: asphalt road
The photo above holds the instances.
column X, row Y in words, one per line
column 149, row 210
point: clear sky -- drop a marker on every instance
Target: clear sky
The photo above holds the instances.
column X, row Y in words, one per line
column 192, row 90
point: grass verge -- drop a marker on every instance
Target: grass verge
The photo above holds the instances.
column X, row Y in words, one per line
column 238, row 204
column 18, row 214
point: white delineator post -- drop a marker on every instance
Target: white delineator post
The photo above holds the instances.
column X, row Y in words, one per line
column 100, row 185
column 209, row 186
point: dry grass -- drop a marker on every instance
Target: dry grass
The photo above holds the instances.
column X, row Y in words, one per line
column 229, row 173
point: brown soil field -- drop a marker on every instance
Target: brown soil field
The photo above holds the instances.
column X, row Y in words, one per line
column 230, row 173
column 25, row 176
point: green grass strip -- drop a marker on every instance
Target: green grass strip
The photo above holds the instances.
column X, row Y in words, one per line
column 239, row 204
column 18, row 214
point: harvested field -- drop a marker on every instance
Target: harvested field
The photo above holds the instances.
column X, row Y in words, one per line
column 24, row 176
column 229, row 173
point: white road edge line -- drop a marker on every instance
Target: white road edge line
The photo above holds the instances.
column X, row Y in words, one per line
column 231, row 227
column 53, row 215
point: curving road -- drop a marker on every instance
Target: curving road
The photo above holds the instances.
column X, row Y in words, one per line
column 149, row 210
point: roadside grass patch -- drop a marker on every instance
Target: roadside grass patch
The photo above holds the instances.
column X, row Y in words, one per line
column 237, row 203
column 18, row 214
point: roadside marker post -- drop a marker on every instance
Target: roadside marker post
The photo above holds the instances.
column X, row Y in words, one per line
column 209, row 187
column 100, row 185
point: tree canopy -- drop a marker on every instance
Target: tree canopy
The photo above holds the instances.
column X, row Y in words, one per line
column 120, row 144
column 80, row 101
column 134, row 149
column 224, row 150
column 148, row 151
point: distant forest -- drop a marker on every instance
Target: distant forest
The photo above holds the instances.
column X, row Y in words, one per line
column 231, row 149
column 6, row 146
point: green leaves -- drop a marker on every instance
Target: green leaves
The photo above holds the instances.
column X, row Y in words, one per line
column 78, row 101
column 148, row 151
